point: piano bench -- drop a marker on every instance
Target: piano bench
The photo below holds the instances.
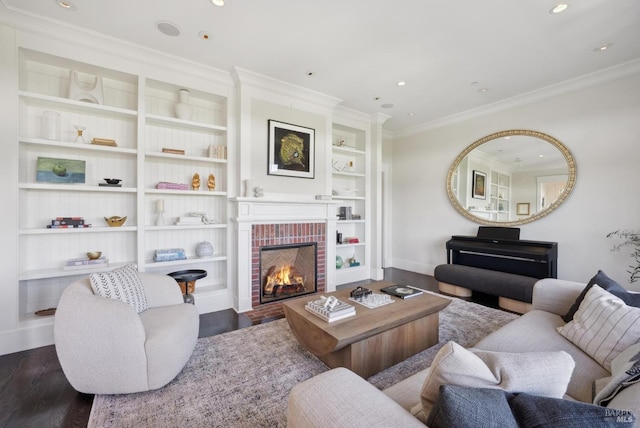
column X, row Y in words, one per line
column 514, row 291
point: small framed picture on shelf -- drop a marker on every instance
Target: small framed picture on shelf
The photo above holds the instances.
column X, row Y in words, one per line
column 54, row 170
column 479, row 185
column 291, row 150
column 523, row 208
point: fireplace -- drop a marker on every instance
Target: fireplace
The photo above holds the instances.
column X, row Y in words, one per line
column 287, row 271
column 297, row 241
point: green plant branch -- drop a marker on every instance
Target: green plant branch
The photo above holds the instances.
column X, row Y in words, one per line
column 629, row 238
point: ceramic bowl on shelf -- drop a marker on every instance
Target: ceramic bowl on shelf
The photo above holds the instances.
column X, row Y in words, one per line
column 112, row 180
column 115, row 221
column 94, row 255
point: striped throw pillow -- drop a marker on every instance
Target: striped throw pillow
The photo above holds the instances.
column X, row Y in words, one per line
column 123, row 284
column 603, row 326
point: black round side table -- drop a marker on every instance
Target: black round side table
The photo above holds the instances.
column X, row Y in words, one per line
column 186, row 279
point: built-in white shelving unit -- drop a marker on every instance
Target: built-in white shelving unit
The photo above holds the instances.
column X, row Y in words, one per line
column 138, row 113
column 350, row 188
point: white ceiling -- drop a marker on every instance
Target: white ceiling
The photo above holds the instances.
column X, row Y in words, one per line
column 358, row 49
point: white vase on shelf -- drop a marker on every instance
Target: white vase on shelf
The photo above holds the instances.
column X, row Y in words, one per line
column 182, row 109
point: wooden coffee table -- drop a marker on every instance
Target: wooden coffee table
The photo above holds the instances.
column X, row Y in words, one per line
column 373, row 339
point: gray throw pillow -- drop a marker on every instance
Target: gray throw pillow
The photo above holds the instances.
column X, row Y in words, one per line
column 463, row 407
column 459, row 406
column 606, row 283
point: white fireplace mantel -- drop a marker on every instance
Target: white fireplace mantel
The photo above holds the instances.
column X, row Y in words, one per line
column 249, row 211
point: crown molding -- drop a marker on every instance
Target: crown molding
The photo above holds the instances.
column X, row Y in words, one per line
column 268, row 85
column 588, row 80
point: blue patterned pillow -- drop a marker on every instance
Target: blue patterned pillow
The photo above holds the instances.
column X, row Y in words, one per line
column 122, row 284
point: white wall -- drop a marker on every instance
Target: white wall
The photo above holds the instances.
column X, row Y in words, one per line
column 261, row 113
column 600, row 125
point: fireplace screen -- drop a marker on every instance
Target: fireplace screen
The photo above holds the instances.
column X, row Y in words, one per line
column 287, row 271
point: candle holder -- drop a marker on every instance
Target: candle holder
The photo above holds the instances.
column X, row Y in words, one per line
column 79, row 130
column 160, row 210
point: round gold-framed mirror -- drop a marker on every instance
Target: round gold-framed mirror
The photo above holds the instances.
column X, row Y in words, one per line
column 511, row 177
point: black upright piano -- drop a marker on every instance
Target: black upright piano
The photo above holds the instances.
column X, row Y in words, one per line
column 501, row 249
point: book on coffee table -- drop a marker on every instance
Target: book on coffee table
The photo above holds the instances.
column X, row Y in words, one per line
column 340, row 311
column 402, row 291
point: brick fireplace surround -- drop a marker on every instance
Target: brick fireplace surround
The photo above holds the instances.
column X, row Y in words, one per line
column 266, row 222
column 282, row 234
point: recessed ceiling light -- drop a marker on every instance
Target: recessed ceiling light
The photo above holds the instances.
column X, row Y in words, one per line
column 168, row 28
column 203, row 35
column 603, row 47
column 411, row 114
column 401, row 83
column 560, row 7
column 64, row 4
column 310, row 73
column 540, row 156
column 218, row 2
column 387, row 105
column 483, row 90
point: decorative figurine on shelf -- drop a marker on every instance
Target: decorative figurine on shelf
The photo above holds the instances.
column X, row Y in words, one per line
column 195, row 183
column 353, row 262
column 84, row 90
column 211, row 182
column 258, row 192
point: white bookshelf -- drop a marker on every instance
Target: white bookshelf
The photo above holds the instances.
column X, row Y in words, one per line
column 350, row 188
column 137, row 112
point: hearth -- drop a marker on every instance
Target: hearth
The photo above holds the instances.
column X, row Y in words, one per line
column 287, row 271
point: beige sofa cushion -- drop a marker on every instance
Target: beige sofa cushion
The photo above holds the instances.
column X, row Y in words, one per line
column 535, row 332
column 603, row 326
column 539, row 373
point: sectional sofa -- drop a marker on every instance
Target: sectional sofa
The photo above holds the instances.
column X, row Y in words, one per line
column 341, row 398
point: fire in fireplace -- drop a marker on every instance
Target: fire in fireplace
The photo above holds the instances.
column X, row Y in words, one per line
column 287, row 271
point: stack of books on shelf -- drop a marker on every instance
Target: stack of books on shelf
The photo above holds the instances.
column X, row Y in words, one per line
column 172, row 186
column 85, row 263
column 188, row 220
column 104, row 142
column 169, row 254
column 172, row 151
column 217, row 151
column 67, row 223
column 330, row 313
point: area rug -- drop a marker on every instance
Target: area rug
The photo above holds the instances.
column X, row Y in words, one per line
column 243, row 378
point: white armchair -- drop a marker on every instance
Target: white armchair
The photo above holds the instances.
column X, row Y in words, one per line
column 105, row 347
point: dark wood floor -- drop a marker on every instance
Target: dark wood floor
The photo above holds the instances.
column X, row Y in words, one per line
column 35, row 393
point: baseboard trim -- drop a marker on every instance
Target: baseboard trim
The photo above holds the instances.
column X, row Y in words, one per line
column 26, row 338
column 423, row 268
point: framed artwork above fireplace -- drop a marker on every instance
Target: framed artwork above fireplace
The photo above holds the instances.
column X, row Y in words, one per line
column 291, row 150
